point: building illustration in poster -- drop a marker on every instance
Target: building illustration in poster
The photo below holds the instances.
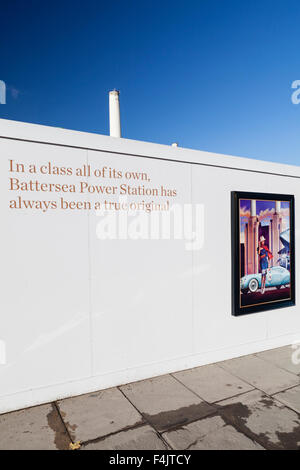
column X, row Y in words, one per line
column 264, row 234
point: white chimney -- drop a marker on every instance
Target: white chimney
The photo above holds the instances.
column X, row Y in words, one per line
column 114, row 114
column 253, row 208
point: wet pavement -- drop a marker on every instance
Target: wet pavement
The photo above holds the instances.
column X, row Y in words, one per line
column 251, row 402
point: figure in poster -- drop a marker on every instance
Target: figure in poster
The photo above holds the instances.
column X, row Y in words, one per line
column 265, row 256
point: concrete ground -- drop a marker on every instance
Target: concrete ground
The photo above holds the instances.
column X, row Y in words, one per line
column 252, row 402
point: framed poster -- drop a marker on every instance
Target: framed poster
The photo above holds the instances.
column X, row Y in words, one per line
column 263, row 252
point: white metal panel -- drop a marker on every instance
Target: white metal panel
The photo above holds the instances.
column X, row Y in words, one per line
column 44, row 281
column 141, row 289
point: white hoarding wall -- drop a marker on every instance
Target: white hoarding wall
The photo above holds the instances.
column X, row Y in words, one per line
column 95, row 293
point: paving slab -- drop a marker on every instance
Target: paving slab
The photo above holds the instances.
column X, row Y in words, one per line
column 164, row 402
column 261, row 374
column 38, row 428
column 286, row 358
column 98, row 414
column 290, row 397
column 211, row 433
column 263, row 419
column 140, row 438
column 212, row 383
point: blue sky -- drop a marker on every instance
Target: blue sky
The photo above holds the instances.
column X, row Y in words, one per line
column 211, row 75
